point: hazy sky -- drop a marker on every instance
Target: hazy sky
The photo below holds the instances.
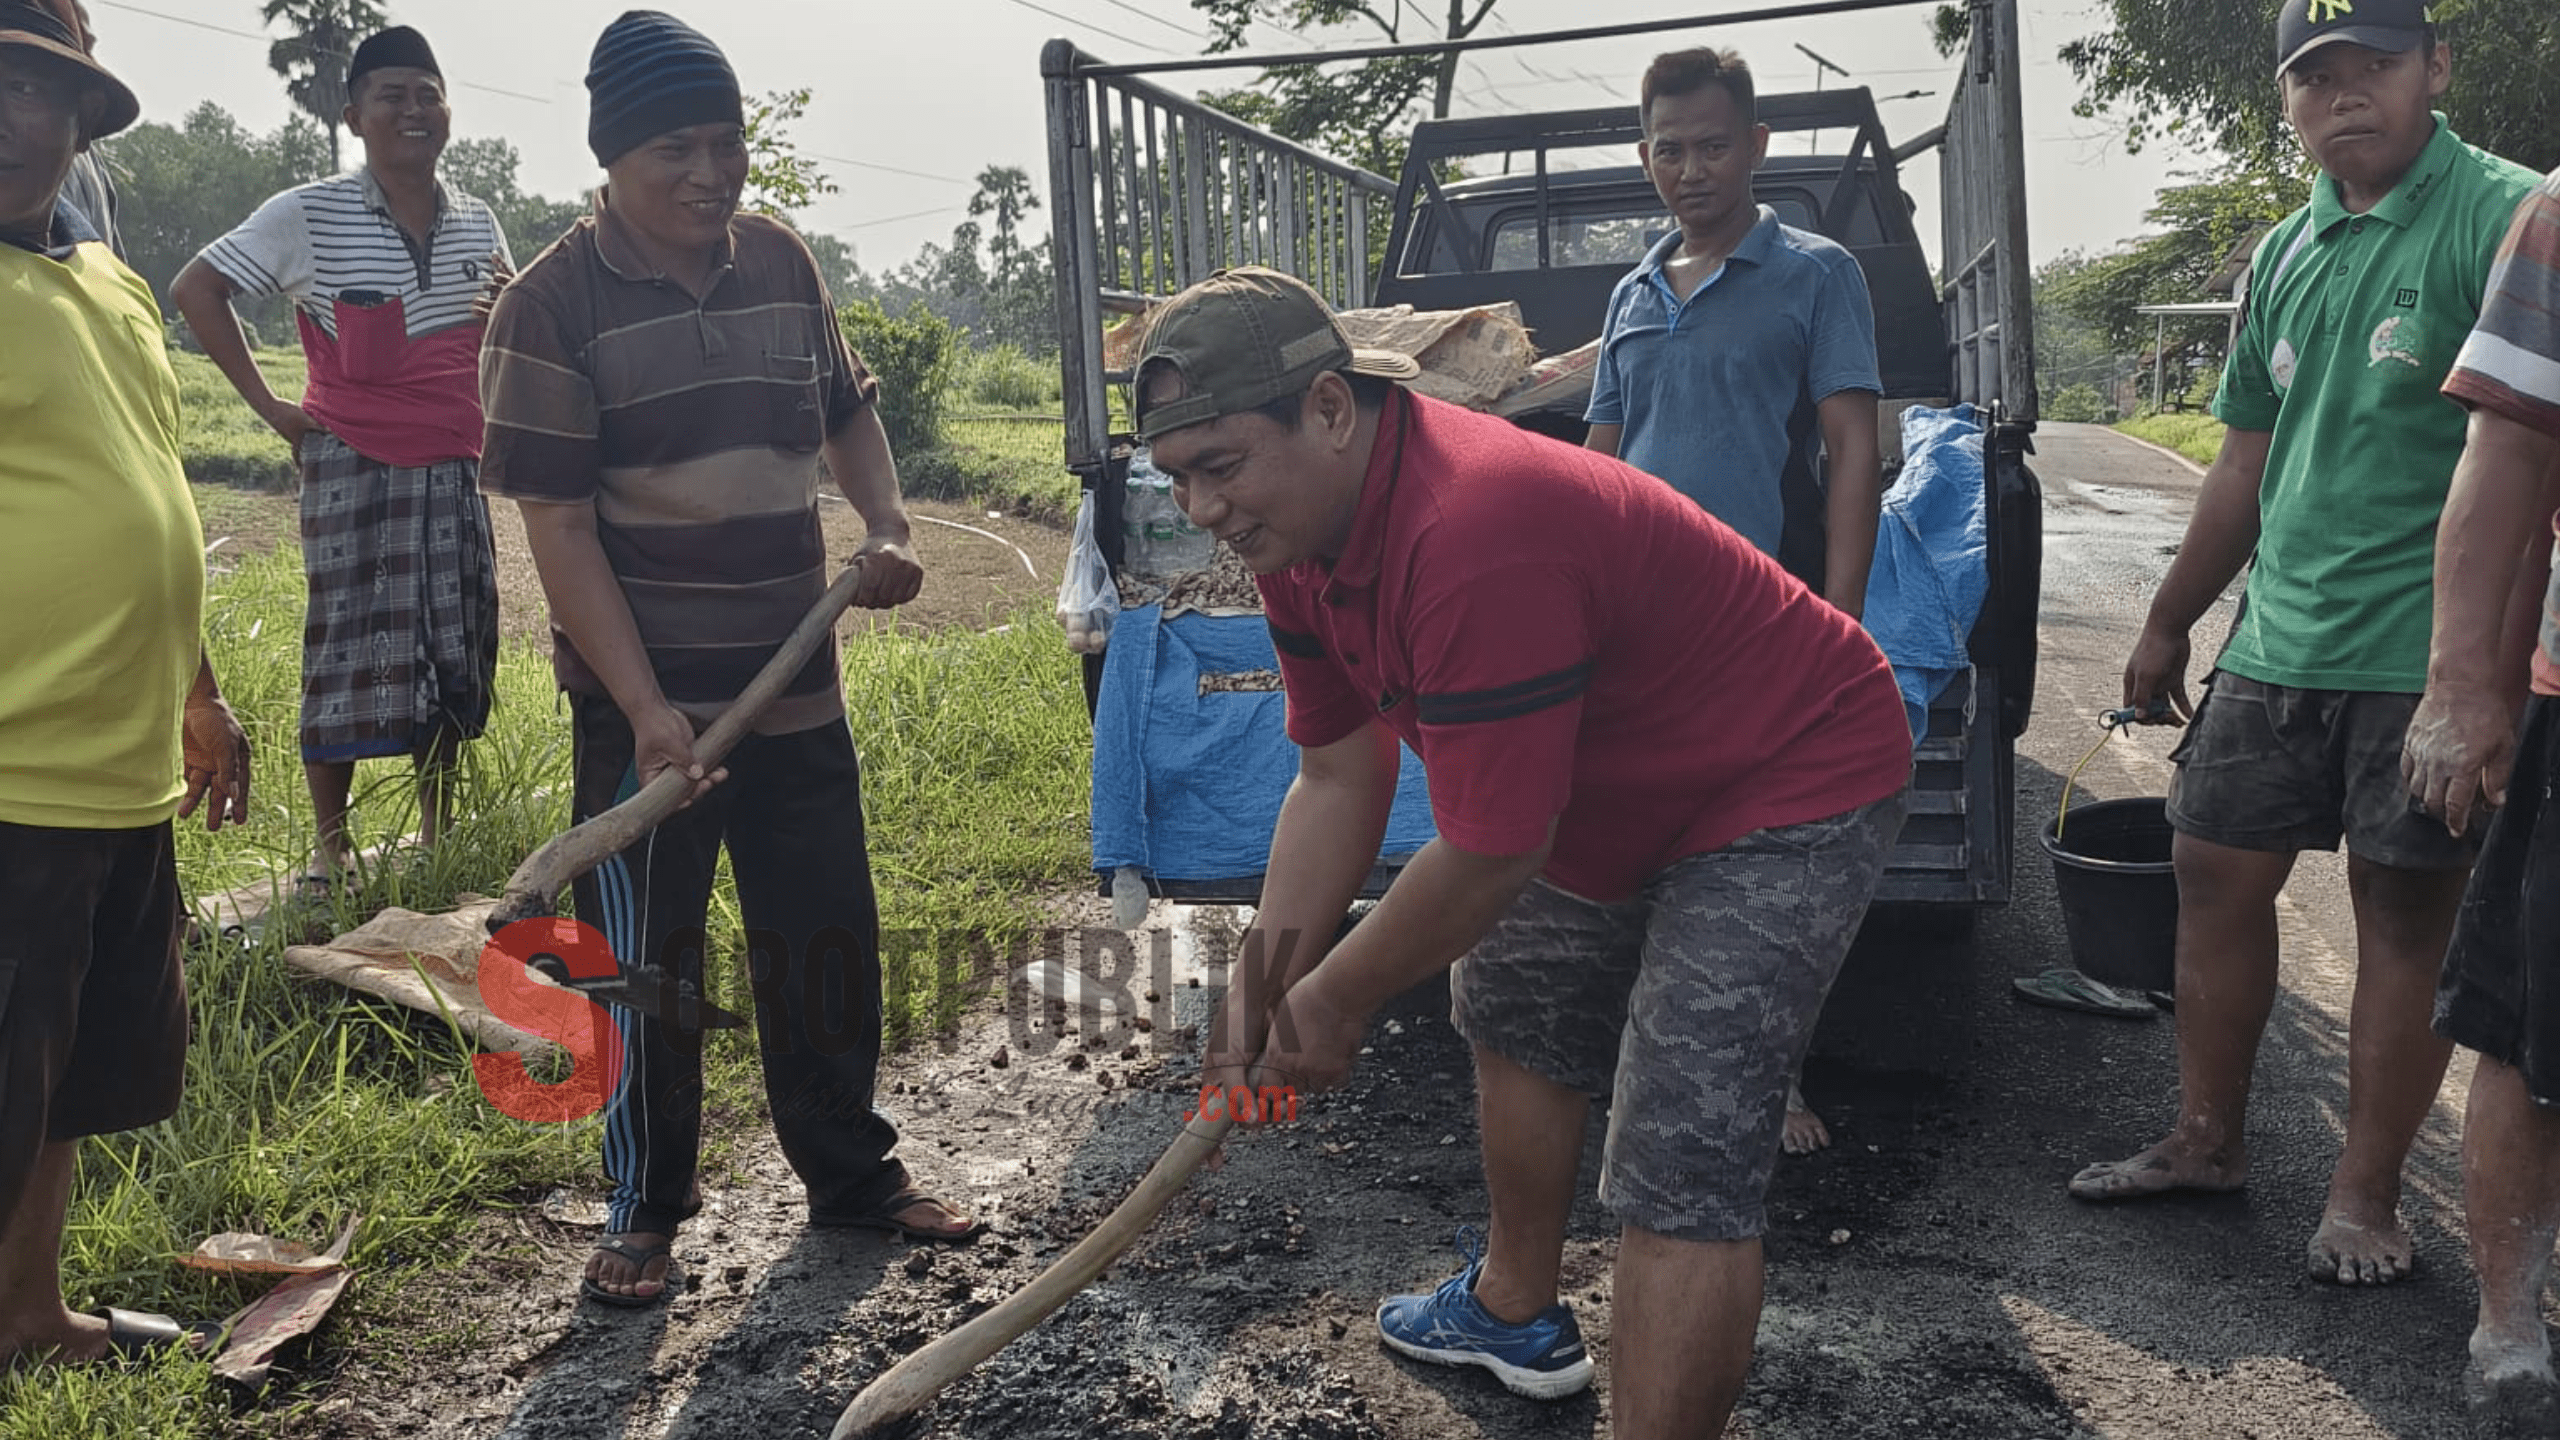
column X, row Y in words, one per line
column 942, row 88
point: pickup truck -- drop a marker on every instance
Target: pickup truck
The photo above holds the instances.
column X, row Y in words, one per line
column 1152, row 190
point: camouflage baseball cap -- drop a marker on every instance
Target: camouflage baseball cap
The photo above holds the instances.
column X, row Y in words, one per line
column 1243, row 338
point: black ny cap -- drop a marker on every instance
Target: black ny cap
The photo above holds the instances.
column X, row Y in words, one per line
column 2306, row 25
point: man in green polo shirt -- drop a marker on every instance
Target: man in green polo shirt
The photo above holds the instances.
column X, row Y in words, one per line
column 2333, row 474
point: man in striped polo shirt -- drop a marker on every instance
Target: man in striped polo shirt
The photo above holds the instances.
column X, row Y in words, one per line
column 2500, row 993
column 400, row 644
column 660, row 387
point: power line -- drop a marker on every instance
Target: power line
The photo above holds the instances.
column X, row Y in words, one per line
column 1089, row 25
column 495, row 90
column 894, row 219
column 1145, row 14
column 890, row 169
column 316, row 52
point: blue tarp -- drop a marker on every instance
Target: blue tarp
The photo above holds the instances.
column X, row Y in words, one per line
column 1930, row 572
column 1187, row 786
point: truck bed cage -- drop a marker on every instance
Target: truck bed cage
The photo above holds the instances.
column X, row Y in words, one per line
column 1154, row 191
column 1990, row 285
column 1238, row 60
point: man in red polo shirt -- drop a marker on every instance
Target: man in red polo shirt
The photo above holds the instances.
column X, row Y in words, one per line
column 1665, row 777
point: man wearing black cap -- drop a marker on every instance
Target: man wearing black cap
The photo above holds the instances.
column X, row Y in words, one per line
column 660, row 386
column 110, row 722
column 2333, row 476
column 400, row 645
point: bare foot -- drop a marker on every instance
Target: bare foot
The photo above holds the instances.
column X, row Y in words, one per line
column 619, row 1275
column 2510, row 1389
column 2173, row 1164
column 71, row 1340
column 1805, row 1132
column 2374, row 1250
column 935, row 1220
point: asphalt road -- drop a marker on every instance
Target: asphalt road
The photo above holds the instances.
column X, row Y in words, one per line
column 1960, row 1113
column 1928, row 1275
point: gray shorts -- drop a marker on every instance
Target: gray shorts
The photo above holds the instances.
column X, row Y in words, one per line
column 1690, row 1005
column 2272, row 768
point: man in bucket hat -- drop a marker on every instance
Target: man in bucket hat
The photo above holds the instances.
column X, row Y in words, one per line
column 1665, row 777
column 110, row 722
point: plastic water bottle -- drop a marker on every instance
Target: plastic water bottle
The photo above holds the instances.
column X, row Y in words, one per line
column 1161, row 540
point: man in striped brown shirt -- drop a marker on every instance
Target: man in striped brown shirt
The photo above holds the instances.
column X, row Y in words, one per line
column 660, row 386
column 2495, row 588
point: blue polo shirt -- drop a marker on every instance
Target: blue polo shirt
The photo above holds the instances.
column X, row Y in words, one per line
column 1717, row 393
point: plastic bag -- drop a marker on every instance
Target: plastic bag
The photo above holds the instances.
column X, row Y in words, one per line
column 1088, row 602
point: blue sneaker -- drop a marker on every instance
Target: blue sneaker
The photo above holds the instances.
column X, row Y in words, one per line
column 1543, row 1359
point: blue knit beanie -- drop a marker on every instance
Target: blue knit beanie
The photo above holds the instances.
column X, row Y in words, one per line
column 652, row 73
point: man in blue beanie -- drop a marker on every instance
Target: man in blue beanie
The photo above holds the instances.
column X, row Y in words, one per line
column 660, row 388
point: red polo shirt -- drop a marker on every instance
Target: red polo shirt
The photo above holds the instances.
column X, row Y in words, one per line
column 1562, row 637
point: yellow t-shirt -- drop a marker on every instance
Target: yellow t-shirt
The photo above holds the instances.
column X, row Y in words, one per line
column 101, row 553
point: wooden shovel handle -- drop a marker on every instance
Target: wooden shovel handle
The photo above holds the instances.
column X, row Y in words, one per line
column 538, row 882
column 913, row 1382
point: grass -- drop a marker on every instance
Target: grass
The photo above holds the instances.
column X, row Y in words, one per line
column 1005, row 459
column 1009, row 458
column 2196, row 435
column 223, row 442
column 306, row 1104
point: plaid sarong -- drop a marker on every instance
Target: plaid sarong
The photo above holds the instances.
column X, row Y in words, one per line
column 401, row 638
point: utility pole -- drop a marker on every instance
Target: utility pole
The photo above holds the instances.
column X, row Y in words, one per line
column 1813, row 141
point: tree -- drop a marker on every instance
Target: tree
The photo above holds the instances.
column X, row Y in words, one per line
column 313, row 57
column 2086, row 306
column 2200, row 224
column 1021, row 301
column 987, row 281
column 2072, row 353
column 1362, row 112
column 2200, row 71
column 837, row 266
column 486, row 169
column 186, row 185
column 781, row 181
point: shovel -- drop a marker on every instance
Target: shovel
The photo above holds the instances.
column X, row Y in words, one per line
column 532, row 891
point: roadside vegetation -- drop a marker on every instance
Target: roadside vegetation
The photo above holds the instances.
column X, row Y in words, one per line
column 307, row 1105
column 2191, row 433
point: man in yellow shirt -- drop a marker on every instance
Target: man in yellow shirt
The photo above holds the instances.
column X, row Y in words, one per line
column 111, row 726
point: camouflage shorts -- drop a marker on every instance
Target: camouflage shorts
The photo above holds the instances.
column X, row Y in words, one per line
column 1690, row 1005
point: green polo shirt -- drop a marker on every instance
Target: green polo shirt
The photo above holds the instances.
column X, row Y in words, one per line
column 2353, row 323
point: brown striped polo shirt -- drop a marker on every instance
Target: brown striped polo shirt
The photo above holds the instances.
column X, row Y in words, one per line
column 693, row 427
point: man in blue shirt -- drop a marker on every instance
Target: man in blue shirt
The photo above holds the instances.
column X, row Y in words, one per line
column 1738, row 337
column 1730, row 344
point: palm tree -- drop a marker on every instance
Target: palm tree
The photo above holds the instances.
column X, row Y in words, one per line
column 313, row 57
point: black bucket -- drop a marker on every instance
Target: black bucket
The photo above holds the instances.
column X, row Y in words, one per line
column 2119, row 894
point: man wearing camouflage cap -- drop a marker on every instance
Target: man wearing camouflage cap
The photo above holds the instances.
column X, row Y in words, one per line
column 1665, row 777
